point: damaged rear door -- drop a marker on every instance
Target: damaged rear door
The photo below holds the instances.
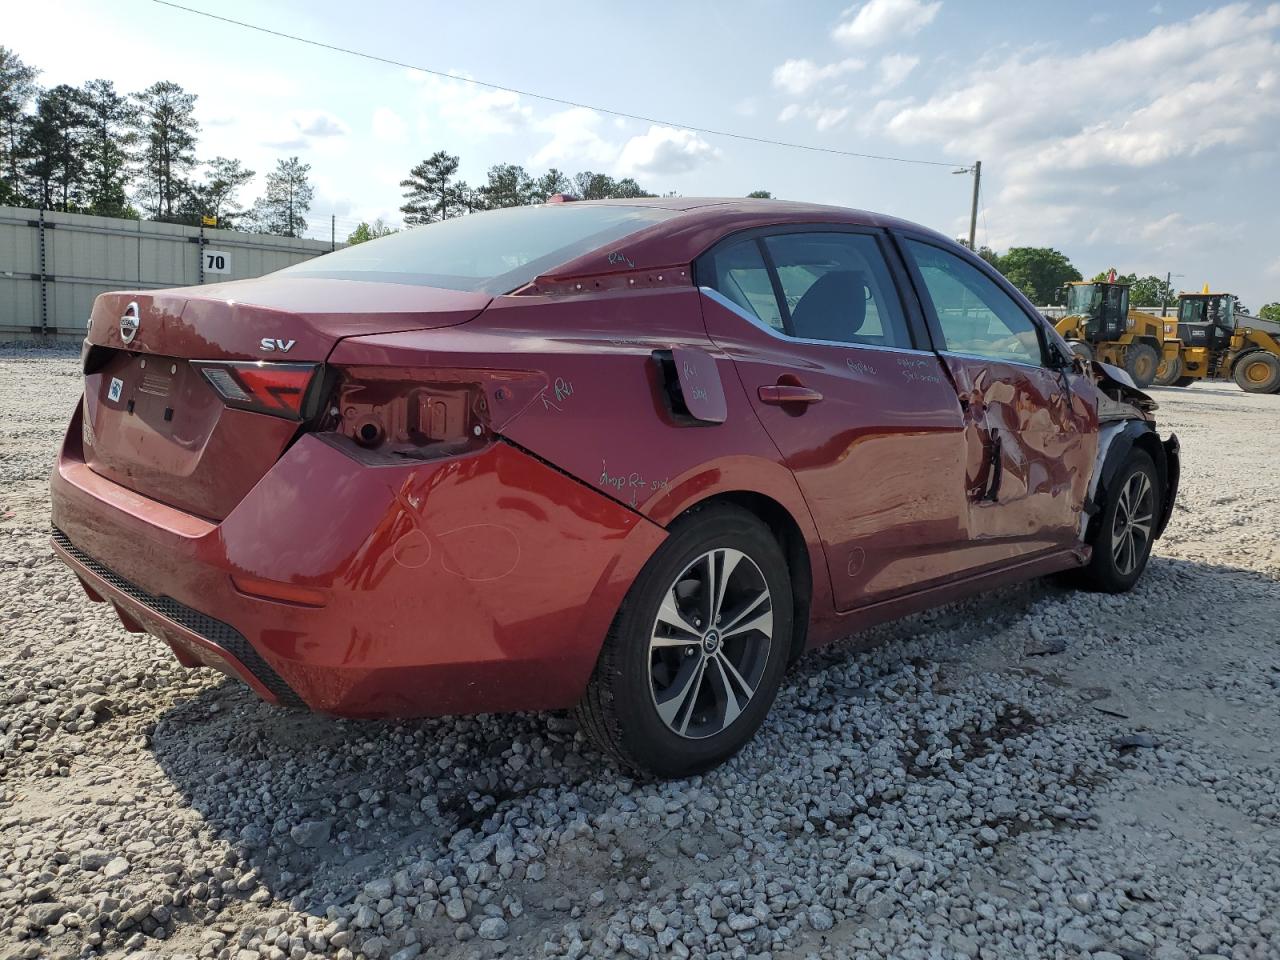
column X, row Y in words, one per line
column 1031, row 429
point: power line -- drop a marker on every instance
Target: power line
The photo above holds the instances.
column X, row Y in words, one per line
column 548, row 99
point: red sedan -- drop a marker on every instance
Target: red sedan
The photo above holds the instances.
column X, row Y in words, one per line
column 631, row 458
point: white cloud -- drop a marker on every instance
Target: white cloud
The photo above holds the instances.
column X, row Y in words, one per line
column 475, row 109
column 574, row 141
column 389, row 126
column 894, row 68
column 1096, row 146
column 317, row 123
column 663, row 151
column 878, row 21
column 823, row 117
column 799, row 76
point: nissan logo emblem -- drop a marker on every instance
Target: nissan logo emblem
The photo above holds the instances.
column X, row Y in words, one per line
column 129, row 323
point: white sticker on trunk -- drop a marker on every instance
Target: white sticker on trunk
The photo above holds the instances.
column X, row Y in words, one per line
column 113, row 392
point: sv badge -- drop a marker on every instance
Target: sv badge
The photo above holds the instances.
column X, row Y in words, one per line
column 272, row 345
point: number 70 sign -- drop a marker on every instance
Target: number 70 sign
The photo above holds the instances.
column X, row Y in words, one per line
column 217, row 261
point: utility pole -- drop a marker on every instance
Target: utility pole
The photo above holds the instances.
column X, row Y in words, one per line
column 973, row 212
column 976, row 170
column 333, row 231
column 1164, row 295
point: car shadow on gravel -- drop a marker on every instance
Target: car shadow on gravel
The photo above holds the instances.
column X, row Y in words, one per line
column 317, row 805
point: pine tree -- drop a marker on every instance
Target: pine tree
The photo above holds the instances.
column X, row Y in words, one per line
column 509, row 186
column 110, row 141
column 282, row 209
column 431, row 195
column 17, row 89
column 55, row 163
column 215, row 196
column 549, row 184
column 168, row 130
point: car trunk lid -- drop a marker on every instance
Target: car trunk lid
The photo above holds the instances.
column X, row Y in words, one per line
column 192, row 394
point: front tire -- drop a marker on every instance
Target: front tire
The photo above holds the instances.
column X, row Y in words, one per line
column 1126, row 528
column 1082, row 349
column 696, row 653
column 1258, row 372
column 1169, row 372
column 1141, row 362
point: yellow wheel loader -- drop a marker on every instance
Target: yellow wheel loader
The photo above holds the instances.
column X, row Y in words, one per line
column 1100, row 326
column 1218, row 340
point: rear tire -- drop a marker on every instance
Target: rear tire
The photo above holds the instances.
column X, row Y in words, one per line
column 1169, row 371
column 679, row 688
column 1141, row 362
column 1258, row 372
column 1125, row 530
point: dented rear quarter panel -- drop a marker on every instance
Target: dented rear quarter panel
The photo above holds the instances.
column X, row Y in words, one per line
column 602, row 417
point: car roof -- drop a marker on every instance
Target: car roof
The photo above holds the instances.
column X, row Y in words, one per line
column 701, row 222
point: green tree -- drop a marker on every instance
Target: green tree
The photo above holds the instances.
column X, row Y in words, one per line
column 431, row 193
column 282, row 209
column 56, row 149
column 549, row 184
column 1103, row 276
column 109, row 143
column 17, row 90
column 600, row 186
column 1151, row 291
column 167, row 130
column 593, row 186
column 1039, row 272
column 989, row 255
column 626, row 188
column 216, row 195
column 759, row 195
column 1270, row 311
column 366, row 231
column 509, row 186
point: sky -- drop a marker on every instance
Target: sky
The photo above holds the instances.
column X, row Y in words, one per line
column 1139, row 135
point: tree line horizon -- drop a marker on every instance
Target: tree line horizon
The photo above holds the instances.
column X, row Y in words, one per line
column 92, row 149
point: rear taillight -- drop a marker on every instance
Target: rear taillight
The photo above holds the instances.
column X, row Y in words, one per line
column 279, row 389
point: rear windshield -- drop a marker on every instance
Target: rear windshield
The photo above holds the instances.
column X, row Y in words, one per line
column 493, row 252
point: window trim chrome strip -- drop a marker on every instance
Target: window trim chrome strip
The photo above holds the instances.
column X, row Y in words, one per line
column 718, row 297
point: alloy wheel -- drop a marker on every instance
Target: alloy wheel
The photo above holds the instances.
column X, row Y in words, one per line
column 1131, row 528
column 710, row 643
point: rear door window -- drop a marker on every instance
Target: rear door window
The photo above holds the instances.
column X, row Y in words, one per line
column 826, row 286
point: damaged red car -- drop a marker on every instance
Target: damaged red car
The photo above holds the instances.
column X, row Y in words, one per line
column 630, row 458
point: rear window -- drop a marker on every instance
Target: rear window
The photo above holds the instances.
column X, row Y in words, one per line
column 493, row 252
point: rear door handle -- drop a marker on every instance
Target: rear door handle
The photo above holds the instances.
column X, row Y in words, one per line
column 781, row 393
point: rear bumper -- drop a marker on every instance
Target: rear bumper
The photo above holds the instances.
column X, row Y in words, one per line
column 474, row 584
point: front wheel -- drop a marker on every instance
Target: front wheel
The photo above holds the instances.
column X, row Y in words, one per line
column 1169, row 372
column 696, row 653
column 1258, row 373
column 1126, row 528
column 1082, row 349
column 1141, row 362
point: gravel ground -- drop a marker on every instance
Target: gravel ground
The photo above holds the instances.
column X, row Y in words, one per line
column 1035, row 773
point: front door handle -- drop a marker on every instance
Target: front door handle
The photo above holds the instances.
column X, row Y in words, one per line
column 782, row 393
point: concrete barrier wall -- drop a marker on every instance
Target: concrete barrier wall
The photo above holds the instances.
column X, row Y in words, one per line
column 53, row 265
